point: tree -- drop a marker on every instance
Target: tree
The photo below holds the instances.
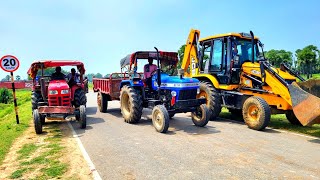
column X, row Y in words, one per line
column 276, row 57
column 98, row 75
column 307, row 59
column 18, row 77
column 181, row 54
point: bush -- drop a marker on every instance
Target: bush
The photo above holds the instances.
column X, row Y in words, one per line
column 5, row 95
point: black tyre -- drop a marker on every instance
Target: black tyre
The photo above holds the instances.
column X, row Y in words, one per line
column 77, row 115
column 82, row 117
column 292, row 118
column 35, row 98
column 131, row 104
column 37, row 121
column 201, row 116
column 171, row 115
column 160, row 118
column 42, row 119
column 102, row 102
column 79, row 98
column 256, row 113
column 213, row 99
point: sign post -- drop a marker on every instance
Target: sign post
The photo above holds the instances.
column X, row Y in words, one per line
column 10, row 64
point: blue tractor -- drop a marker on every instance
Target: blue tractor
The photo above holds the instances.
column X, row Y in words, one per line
column 163, row 93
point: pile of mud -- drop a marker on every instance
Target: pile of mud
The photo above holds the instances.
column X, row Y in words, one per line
column 312, row 86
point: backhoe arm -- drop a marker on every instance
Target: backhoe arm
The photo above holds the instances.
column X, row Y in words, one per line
column 190, row 57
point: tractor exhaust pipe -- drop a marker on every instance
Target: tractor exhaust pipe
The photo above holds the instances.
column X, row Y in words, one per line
column 158, row 70
column 252, row 42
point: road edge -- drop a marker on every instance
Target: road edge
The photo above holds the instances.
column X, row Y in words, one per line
column 94, row 171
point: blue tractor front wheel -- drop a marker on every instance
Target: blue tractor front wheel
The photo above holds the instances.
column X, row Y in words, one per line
column 160, row 118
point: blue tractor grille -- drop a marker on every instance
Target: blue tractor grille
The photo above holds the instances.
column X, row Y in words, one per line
column 187, row 94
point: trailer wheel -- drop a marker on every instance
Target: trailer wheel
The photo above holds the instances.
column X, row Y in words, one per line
column 102, row 102
column 131, row 104
column 256, row 113
column 37, row 121
column 82, row 117
column 160, row 118
column 212, row 97
column 292, row 118
column 79, row 98
column 201, row 116
column 35, row 98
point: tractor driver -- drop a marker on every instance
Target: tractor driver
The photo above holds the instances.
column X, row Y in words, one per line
column 73, row 77
column 58, row 75
column 148, row 69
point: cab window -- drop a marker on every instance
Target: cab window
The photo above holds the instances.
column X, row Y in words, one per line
column 216, row 55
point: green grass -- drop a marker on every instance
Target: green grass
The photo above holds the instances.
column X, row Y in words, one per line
column 47, row 159
column 18, row 173
column 26, row 150
column 9, row 130
column 279, row 121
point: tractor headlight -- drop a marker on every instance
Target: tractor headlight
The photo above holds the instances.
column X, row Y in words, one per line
column 173, row 93
column 198, row 90
column 65, row 91
column 53, row 92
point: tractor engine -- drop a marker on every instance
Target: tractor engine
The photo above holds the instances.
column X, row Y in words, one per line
column 59, row 93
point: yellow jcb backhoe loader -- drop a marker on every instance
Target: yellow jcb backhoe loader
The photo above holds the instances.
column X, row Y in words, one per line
column 236, row 76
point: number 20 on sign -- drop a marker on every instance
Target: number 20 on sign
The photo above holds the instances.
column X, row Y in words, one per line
column 10, row 64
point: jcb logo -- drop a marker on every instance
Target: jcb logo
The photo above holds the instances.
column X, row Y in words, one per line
column 193, row 66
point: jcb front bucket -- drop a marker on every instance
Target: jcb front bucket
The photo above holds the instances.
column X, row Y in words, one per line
column 306, row 106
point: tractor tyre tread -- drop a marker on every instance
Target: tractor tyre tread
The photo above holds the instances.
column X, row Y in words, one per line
column 165, row 125
column 35, row 98
column 80, row 98
column 135, row 99
column 214, row 99
column 265, row 113
column 37, row 122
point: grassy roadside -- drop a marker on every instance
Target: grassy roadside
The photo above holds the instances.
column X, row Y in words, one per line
column 9, row 129
column 279, row 121
column 41, row 160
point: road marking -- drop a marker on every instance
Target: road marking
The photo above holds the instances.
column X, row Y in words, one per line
column 297, row 134
column 85, row 154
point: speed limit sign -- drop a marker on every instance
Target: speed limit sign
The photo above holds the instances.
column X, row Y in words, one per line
column 9, row 63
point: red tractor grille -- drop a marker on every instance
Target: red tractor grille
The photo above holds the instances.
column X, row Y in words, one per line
column 59, row 101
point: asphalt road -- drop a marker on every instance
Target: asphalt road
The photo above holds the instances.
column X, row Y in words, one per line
column 223, row 149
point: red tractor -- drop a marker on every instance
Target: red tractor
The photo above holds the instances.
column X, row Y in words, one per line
column 54, row 95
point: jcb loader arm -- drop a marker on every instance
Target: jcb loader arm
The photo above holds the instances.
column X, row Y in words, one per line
column 190, row 57
column 305, row 106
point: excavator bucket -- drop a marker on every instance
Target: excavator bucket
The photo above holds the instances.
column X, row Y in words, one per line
column 306, row 106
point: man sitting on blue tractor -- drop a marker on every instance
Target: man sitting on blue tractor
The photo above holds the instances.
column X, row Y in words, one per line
column 148, row 69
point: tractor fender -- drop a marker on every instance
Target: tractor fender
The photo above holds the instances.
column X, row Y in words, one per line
column 131, row 84
column 207, row 77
